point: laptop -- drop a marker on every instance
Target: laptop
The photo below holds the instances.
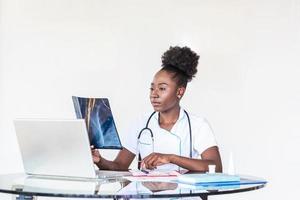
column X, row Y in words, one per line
column 55, row 147
column 58, row 149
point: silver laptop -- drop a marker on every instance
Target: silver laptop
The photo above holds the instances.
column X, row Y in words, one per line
column 58, row 149
column 55, row 147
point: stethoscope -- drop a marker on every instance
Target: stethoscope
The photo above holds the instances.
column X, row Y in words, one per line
column 152, row 137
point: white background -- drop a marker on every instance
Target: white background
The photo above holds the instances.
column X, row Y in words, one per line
column 247, row 85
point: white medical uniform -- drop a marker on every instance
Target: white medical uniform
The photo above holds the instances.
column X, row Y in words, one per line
column 176, row 141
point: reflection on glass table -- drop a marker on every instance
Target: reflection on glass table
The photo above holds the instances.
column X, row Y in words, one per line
column 28, row 187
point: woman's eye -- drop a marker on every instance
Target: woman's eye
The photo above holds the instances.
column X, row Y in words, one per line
column 151, row 89
column 162, row 89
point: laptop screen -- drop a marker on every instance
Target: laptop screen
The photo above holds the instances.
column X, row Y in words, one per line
column 99, row 121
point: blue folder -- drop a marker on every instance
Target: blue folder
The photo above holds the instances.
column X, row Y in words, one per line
column 201, row 178
column 216, row 180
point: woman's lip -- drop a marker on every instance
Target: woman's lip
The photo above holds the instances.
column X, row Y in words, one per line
column 155, row 103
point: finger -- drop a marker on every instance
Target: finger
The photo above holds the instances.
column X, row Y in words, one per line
column 147, row 157
column 160, row 160
column 145, row 160
column 151, row 160
column 143, row 166
column 146, row 165
column 96, row 153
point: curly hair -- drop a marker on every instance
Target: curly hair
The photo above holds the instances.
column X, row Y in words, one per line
column 181, row 61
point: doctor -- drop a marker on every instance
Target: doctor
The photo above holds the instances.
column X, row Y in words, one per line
column 170, row 137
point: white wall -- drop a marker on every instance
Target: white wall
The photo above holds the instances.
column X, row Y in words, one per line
column 246, row 85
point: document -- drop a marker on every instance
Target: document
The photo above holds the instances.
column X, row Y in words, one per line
column 153, row 175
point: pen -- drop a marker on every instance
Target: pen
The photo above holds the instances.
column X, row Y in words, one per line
column 145, row 171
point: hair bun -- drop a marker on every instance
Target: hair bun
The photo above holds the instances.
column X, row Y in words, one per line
column 183, row 59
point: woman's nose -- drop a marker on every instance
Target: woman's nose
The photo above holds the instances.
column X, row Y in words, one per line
column 154, row 93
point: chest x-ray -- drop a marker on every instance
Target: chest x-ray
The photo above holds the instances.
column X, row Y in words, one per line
column 99, row 121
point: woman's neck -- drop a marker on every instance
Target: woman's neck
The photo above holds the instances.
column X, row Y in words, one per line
column 168, row 118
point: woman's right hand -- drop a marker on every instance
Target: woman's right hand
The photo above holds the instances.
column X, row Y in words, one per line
column 96, row 155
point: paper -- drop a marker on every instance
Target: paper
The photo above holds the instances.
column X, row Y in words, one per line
column 154, row 173
column 151, row 178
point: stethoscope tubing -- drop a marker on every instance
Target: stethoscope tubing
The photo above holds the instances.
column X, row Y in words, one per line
column 152, row 136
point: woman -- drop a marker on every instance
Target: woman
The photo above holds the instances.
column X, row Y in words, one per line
column 178, row 139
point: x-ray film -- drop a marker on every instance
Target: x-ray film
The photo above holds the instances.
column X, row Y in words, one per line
column 99, row 122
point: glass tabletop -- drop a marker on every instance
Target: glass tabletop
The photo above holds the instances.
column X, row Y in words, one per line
column 117, row 187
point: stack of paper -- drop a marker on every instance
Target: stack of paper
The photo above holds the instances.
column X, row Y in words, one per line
column 203, row 179
column 154, row 173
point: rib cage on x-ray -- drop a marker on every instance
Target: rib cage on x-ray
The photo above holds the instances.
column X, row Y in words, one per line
column 99, row 120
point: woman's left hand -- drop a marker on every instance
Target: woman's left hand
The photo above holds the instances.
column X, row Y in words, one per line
column 155, row 159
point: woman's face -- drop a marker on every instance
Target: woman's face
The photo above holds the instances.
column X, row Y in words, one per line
column 164, row 92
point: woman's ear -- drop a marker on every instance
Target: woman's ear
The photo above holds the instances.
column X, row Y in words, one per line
column 180, row 92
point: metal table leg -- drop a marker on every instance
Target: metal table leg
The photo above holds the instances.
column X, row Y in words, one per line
column 204, row 197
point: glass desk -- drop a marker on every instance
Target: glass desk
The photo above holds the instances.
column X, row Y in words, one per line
column 25, row 187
